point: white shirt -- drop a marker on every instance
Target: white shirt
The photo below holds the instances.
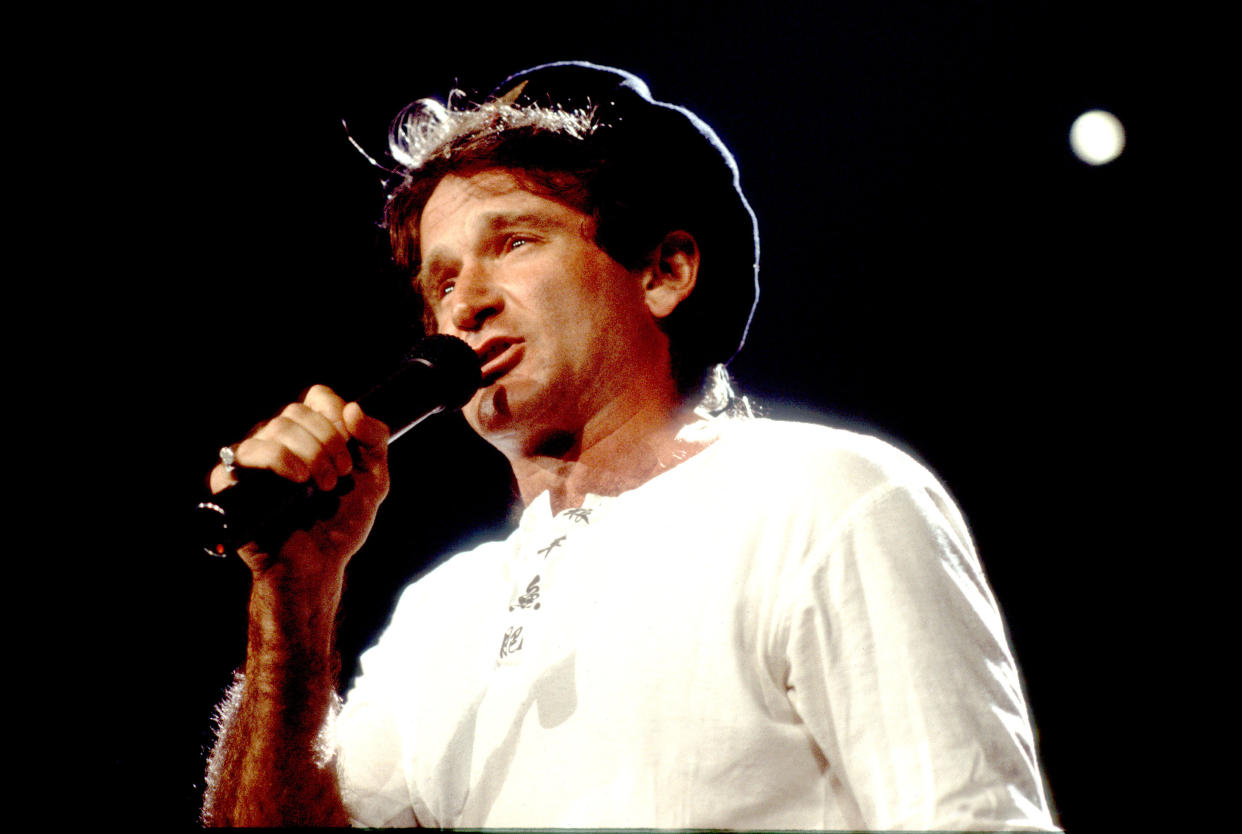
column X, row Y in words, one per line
column 789, row 630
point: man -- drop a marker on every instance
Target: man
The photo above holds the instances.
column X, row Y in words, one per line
column 703, row 620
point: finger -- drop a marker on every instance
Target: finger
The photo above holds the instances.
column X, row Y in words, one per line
column 371, row 441
column 308, row 439
column 260, row 453
column 325, row 460
column 223, row 475
column 220, row 478
column 288, row 451
column 332, row 436
column 371, row 438
column 368, row 431
column 327, row 402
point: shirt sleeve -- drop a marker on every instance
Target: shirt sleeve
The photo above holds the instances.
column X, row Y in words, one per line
column 372, row 733
column 899, row 664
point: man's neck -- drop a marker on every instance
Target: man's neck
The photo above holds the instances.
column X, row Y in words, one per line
column 608, row 460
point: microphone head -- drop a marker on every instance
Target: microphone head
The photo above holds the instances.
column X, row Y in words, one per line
column 457, row 367
column 439, row 373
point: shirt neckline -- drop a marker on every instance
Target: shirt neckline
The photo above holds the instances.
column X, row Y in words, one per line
column 540, row 508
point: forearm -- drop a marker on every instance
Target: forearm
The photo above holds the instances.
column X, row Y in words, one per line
column 269, row 768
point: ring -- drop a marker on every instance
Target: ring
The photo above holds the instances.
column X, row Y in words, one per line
column 228, row 457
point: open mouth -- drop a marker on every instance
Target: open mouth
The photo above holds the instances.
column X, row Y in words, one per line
column 497, row 357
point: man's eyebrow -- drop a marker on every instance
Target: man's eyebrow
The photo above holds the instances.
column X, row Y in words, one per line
column 493, row 221
column 490, row 223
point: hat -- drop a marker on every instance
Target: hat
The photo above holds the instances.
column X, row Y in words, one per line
column 672, row 143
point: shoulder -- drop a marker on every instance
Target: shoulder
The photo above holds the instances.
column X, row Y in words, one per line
column 831, row 477
column 811, row 456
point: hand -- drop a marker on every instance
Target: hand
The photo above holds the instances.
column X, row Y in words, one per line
column 310, row 441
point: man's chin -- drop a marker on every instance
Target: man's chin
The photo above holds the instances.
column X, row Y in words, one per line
column 488, row 413
column 502, row 416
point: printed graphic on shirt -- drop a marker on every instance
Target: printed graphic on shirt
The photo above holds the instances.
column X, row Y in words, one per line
column 582, row 515
column 523, row 604
column 555, row 543
column 530, row 599
column 512, row 642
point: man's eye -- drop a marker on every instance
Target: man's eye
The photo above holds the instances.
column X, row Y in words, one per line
column 437, row 290
column 516, row 242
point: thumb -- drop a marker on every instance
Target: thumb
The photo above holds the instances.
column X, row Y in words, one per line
column 368, row 431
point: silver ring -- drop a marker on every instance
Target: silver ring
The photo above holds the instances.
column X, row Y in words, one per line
column 228, row 457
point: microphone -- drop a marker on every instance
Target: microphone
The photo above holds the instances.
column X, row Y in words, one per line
column 440, row 373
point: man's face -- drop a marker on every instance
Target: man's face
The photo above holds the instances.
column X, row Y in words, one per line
column 555, row 320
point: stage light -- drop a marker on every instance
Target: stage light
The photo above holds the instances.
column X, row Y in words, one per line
column 1097, row 137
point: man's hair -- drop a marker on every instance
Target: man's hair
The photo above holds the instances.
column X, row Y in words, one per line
column 572, row 156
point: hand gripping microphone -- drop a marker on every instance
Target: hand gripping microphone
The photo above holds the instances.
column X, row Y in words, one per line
column 440, row 373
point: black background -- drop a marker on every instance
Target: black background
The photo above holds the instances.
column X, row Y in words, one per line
column 937, row 268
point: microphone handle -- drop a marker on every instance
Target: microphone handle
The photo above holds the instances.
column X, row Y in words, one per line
column 441, row 372
column 258, row 505
column 262, row 505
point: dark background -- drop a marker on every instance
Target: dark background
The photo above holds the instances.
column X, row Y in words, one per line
column 937, row 268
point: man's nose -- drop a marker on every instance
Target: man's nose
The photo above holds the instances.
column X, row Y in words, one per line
column 475, row 298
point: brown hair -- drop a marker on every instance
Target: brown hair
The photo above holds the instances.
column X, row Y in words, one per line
column 574, row 157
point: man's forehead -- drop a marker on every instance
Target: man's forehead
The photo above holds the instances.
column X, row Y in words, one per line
column 491, row 199
column 455, row 193
column 489, row 182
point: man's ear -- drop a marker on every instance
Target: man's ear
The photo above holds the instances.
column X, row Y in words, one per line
column 672, row 274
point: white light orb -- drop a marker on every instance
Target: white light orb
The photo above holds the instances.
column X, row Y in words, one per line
column 1097, row 137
